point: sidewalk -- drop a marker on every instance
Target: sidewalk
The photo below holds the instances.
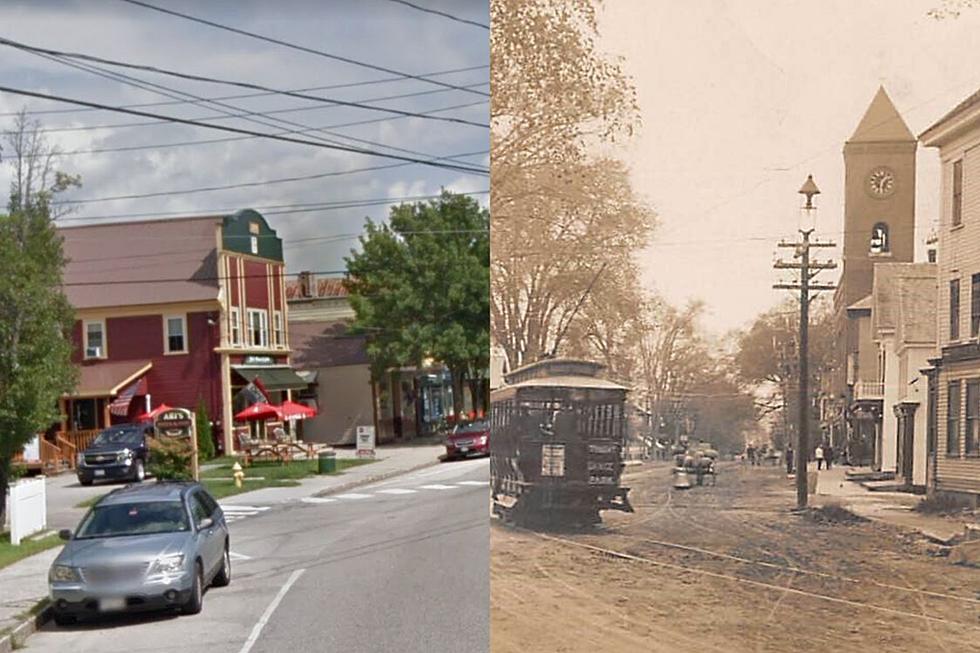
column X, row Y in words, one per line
column 896, row 508
column 25, row 582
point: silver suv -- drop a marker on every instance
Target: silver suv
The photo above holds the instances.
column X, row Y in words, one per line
column 142, row 547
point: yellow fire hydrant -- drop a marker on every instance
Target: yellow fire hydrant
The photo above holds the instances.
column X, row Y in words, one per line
column 238, row 474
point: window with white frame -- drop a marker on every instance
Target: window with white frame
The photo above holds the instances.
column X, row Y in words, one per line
column 236, row 327
column 175, row 334
column 94, row 336
column 278, row 334
column 258, row 328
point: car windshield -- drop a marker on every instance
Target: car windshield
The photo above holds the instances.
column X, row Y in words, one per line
column 139, row 518
column 472, row 427
column 116, row 436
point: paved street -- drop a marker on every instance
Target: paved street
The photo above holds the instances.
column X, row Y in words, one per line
column 398, row 565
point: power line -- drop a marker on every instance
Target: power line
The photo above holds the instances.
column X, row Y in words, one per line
column 271, row 210
column 294, row 46
column 230, row 139
column 249, row 184
column 238, row 130
column 213, row 80
column 310, row 88
column 439, row 13
column 249, row 116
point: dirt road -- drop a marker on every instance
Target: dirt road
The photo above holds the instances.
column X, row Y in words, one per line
column 727, row 568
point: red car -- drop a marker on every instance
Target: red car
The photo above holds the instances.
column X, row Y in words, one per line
column 471, row 438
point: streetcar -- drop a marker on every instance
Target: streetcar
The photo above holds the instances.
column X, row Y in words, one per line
column 559, row 434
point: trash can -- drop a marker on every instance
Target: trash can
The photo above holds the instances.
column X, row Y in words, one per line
column 326, row 462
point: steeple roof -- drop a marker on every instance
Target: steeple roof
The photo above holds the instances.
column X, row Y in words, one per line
column 881, row 122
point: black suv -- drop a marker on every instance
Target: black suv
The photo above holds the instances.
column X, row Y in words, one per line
column 119, row 452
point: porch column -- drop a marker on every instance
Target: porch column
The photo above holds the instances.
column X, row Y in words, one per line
column 63, row 413
column 106, row 416
column 227, row 416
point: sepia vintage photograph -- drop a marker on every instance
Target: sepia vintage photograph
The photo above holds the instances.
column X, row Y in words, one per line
column 735, row 306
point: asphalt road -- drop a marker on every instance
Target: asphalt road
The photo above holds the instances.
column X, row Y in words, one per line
column 395, row 566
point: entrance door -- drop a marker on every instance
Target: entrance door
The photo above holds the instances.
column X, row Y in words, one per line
column 906, row 439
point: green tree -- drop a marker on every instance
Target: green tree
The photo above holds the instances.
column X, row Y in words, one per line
column 420, row 289
column 35, row 317
column 205, row 441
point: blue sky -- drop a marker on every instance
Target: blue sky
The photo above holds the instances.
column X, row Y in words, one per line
column 379, row 32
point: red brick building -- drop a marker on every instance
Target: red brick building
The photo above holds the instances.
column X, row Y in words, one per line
column 175, row 311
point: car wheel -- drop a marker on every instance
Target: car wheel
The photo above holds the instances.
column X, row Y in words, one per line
column 224, row 574
column 196, row 600
column 85, row 482
column 139, row 473
column 63, row 619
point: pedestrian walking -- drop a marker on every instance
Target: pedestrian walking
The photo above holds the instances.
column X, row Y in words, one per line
column 818, row 454
column 789, row 459
column 829, row 453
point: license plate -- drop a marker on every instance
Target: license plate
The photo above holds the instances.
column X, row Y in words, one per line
column 464, row 449
column 100, row 472
column 109, row 605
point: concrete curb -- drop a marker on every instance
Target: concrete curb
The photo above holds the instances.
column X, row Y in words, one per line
column 343, row 487
column 16, row 637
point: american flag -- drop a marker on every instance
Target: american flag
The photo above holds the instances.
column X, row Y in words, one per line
column 120, row 405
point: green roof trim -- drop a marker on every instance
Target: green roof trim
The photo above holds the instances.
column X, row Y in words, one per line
column 239, row 230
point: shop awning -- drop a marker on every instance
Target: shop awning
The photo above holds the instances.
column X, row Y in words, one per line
column 107, row 379
column 279, row 377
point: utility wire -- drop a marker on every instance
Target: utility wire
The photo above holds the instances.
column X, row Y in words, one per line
column 436, row 12
column 230, row 139
column 294, row 46
column 226, row 109
column 237, row 130
column 213, row 80
column 301, row 90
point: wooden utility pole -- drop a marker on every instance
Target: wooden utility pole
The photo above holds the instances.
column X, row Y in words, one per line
column 808, row 270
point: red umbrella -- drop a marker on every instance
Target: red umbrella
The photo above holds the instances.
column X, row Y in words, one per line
column 150, row 416
column 259, row 411
column 293, row 410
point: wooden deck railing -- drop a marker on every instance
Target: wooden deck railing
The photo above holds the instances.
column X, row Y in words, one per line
column 79, row 439
column 69, row 451
column 50, row 454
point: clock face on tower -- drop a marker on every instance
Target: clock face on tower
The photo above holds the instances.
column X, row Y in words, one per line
column 881, row 182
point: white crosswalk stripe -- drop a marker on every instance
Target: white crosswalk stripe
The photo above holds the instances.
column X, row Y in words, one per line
column 318, row 500
column 396, row 490
column 353, row 495
column 234, row 513
column 475, row 483
column 438, row 486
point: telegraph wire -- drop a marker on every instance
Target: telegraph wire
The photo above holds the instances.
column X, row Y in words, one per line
column 253, row 95
column 238, row 130
column 214, row 80
column 439, row 13
column 295, row 46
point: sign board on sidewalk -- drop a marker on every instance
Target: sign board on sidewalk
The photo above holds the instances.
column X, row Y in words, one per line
column 179, row 423
column 365, row 442
column 28, row 509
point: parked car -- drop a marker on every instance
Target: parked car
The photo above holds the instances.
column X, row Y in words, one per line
column 118, row 453
column 142, row 547
column 468, row 439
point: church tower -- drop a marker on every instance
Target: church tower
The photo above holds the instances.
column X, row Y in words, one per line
column 879, row 197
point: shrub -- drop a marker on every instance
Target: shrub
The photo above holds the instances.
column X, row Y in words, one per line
column 170, row 459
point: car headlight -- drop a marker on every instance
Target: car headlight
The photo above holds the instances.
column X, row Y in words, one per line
column 169, row 565
column 483, row 439
column 63, row 573
column 124, row 456
column 81, row 459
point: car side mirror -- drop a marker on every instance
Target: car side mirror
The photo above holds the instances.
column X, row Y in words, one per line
column 64, row 534
column 207, row 522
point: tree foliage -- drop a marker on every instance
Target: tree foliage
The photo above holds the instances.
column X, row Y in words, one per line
column 205, row 439
column 420, row 287
column 35, row 317
column 559, row 212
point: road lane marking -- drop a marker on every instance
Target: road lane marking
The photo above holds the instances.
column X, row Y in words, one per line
column 437, row 486
column 257, row 630
column 238, row 556
column 234, row 508
column 353, row 495
column 318, row 500
column 475, row 483
column 396, row 490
